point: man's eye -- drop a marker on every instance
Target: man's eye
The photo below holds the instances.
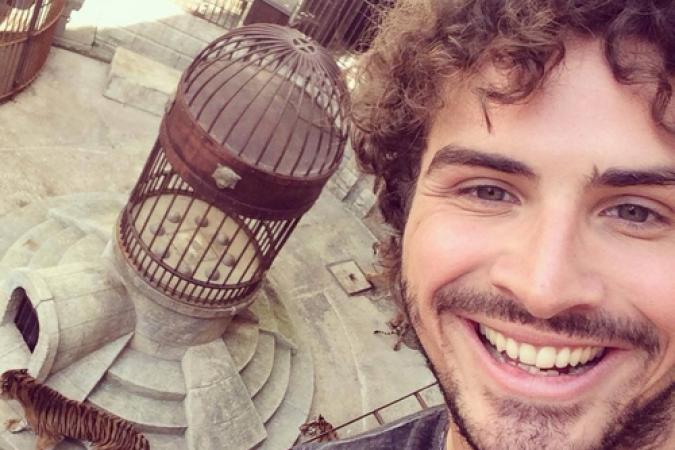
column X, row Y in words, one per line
column 488, row 193
column 635, row 214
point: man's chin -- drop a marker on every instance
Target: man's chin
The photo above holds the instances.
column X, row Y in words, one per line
column 488, row 419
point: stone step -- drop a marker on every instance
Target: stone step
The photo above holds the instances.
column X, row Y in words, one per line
column 166, row 441
column 15, row 224
column 148, row 414
column 22, row 250
column 256, row 373
column 141, row 82
column 90, row 212
column 148, row 376
column 241, row 339
column 282, row 427
column 51, row 252
column 88, row 248
column 78, row 380
column 268, row 399
column 167, row 33
column 27, row 440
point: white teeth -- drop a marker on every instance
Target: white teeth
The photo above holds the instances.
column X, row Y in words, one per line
column 490, row 335
column 527, row 354
column 585, row 355
column 575, row 357
column 501, row 342
column 512, row 348
column 539, row 359
column 545, row 358
column 562, row 359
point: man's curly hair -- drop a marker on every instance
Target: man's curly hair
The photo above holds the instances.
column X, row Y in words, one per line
column 422, row 44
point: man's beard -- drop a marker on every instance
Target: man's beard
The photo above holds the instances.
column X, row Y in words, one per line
column 526, row 426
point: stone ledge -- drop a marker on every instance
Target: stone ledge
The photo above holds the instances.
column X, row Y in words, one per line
column 268, row 399
column 79, row 379
column 282, row 427
column 159, row 416
column 149, row 376
column 140, row 82
column 218, row 408
column 256, row 373
column 50, row 253
column 241, row 339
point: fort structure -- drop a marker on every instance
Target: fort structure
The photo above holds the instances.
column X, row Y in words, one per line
column 168, row 300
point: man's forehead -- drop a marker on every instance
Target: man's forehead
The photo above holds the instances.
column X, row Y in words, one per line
column 581, row 104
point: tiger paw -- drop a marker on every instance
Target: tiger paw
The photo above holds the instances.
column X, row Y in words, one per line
column 16, row 425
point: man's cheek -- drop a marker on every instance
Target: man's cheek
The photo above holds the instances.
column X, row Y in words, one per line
column 436, row 255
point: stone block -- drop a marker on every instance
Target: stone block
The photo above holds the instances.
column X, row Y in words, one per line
column 364, row 201
column 149, row 414
column 256, row 373
column 198, row 28
column 148, row 375
column 154, row 51
column 89, row 248
column 79, row 379
column 78, row 39
column 219, row 410
column 241, row 339
column 138, row 81
column 114, row 37
column 282, row 427
column 268, row 400
column 169, row 37
column 348, row 176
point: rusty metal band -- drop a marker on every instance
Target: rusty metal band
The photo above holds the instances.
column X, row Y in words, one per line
column 33, row 46
column 196, row 156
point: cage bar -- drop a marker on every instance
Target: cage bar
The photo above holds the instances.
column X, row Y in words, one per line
column 258, row 125
column 26, row 33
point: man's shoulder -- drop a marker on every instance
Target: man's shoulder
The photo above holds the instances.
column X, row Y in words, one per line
column 425, row 430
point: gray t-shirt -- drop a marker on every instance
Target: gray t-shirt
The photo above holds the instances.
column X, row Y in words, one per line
column 425, row 430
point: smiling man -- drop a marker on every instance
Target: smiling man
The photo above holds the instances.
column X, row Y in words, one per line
column 525, row 151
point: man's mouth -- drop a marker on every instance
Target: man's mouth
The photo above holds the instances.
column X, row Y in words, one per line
column 539, row 360
column 555, row 369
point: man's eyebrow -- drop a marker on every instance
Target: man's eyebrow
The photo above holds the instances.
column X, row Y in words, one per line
column 462, row 156
column 621, row 177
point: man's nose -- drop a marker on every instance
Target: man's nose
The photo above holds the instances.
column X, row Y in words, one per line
column 548, row 267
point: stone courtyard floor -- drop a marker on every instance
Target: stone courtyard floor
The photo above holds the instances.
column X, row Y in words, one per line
column 61, row 136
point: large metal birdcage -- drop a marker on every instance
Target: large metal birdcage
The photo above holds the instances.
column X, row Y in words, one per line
column 258, row 125
column 26, row 34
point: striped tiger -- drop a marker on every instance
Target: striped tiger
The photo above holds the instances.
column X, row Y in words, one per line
column 53, row 417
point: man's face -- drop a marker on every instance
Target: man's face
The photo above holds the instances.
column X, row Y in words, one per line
column 553, row 237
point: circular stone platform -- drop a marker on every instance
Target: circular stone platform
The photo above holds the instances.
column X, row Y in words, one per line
column 256, row 378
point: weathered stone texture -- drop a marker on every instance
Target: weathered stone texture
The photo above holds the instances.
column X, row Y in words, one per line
column 138, row 81
column 219, row 410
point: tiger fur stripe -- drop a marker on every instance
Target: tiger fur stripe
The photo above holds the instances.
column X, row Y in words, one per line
column 52, row 416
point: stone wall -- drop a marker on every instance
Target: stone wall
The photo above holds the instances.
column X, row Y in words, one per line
column 165, row 31
column 352, row 187
column 162, row 30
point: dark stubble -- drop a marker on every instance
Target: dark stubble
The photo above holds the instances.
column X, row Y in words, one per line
column 532, row 427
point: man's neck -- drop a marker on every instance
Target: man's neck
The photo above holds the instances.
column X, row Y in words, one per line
column 454, row 440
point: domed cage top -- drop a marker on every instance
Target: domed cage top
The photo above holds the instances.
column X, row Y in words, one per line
column 258, row 125
column 26, row 34
column 270, row 104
